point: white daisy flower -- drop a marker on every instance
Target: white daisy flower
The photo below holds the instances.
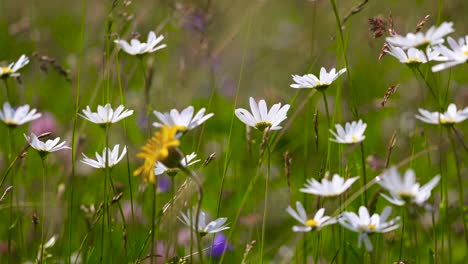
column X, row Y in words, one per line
column 17, row 116
column 457, row 54
column 405, row 189
column 105, row 114
column 311, row 81
column 352, row 132
column 365, row 224
column 12, row 68
column 413, row 55
column 450, row 117
column 45, row 147
column 261, row 118
column 184, row 119
column 335, row 187
column 316, row 223
column 160, row 168
column 212, row 227
column 100, row 161
column 138, row 48
column 432, row 37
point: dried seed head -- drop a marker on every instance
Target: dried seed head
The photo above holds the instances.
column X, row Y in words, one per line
column 421, row 23
column 391, row 90
column 377, row 26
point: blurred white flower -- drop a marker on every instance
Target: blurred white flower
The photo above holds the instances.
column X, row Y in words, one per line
column 413, row 55
column 203, row 228
column 45, row 147
column 138, row 48
column 450, row 117
column 183, row 119
column 105, row 114
column 160, row 168
column 261, row 118
column 17, row 116
column 12, row 68
column 100, row 161
column 352, row 133
column 405, row 189
column 457, row 54
column 335, row 187
column 432, row 37
column 316, row 223
column 311, row 81
column 365, row 224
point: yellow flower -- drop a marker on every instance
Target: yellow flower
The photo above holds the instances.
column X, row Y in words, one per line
column 157, row 149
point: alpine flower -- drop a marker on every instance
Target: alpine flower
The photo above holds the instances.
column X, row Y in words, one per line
column 450, row 117
column 457, row 54
column 413, row 55
column 335, row 187
column 352, row 133
column 156, row 149
column 220, row 245
column 184, row 120
column 432, row 37
column 311, row 81
column 100, row 161
column 405, row 189
column 160, row 168
column 17, row 116
column 45, row 147
column 135, row 47
column 212, row 227
column 261, row 118
column 316, row 223
column 105, row 114
column 365, row 224
column 12, row 68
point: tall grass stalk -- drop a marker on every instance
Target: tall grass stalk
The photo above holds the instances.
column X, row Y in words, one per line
column 44, row 175
column 461, row 197
column 75, row 119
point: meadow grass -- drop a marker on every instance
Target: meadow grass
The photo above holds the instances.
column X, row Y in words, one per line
column 268, row 188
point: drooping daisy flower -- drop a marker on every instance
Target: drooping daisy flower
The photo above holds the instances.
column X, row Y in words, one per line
column 157, row 149
column 335, row 187
column 184, row 120
column 413, row 55
column 450, row 117
column 352, row 133
column 45, row 147
column 100, row 161
column 432, row 37
column 365, row 224
column 405, row 189
column 316, row 223
column 12, row 68
column 138, row 48
column 105, row 114
column 160, row 168
column 212, row 227
column 261, row 118
column 17, row 116
column 457, row 54
column 311, row 81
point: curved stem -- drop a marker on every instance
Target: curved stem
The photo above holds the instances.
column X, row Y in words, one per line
column 364, row 176
column 153, row 220
column 267, row 181
column 44, row 159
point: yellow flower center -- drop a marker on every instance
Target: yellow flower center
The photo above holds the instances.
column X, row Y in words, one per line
column 263, row 125
column 311, row 223
column 465, row 52
column 443, row 120
column 6, row 70
column 413, row 60
column 354, row 139
column 371, row 227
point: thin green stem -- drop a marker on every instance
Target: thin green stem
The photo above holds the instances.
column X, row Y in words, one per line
column 265, row 208
column 364, row 176
column 461, row 198
column 7, row 88
column 153, row 221
column 10, row 154
column 44, row 173
column 75, row 124
column 325, row 103
column 147, row 94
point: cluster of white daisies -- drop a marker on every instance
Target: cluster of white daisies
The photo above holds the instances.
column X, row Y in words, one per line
column 411, row 49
